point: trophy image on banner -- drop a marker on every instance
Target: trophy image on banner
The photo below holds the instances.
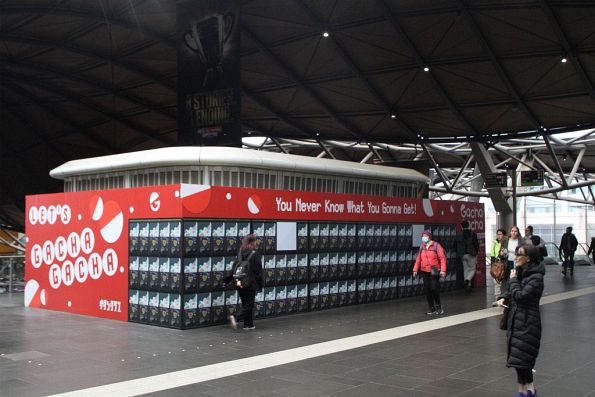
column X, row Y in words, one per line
column 206, row 39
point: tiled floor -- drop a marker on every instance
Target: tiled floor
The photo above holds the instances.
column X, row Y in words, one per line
column 44, row 353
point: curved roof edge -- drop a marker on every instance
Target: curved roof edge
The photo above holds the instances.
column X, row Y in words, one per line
column 232, row 157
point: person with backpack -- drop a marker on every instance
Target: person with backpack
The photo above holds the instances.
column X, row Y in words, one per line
column 467, row 246
column 247, row 278
column 568, row 246
column 431, row 266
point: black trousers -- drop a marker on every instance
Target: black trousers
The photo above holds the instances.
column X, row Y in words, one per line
column 568, row 261
column 247, row 296
column 460, row 273
column 524, row 376
column 504, row 282
column 431, row 288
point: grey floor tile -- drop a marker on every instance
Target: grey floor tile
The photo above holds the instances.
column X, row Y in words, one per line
column 373, row 390
column 464, row 360
column 320, row 388
column 404, row 382
column 449, row 385
column 186, row 391
column 250, row 387
column 371, row 373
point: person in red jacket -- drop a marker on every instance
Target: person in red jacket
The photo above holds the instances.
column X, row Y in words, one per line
column 431, row 266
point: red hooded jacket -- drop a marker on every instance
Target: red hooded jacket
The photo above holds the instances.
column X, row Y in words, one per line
column 430, row 257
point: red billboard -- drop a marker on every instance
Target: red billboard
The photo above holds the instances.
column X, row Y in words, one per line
column 77, row 243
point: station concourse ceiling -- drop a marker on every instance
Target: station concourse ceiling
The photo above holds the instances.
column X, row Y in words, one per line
column 83, row 78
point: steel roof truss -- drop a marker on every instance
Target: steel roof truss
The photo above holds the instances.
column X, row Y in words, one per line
column 278, row 113
column 391, row 18
column 464, row 168
column 435, row 165
column 293, row 76
column 568, row 47
column 577, row 163
column 512, row 90
column 75, row 127
column 550, row 149
column 325, row 150
column 389, row 109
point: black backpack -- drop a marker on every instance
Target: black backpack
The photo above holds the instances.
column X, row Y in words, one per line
column 241, row 269
column 471, row 244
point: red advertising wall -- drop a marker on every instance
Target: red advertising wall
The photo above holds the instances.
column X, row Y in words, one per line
column 77, row 243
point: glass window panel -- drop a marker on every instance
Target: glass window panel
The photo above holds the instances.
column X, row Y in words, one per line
column 226, row 179
column 320, row 184
column 308, row 184
column 217, row 178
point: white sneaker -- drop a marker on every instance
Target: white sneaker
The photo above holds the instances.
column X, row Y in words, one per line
column 249, row 328
column 232, row 323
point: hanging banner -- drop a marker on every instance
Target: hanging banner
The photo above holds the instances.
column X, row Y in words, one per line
column 208, row 36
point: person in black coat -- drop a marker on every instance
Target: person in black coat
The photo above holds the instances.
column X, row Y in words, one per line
column 252, row 283
column 592, row 249
column 568, row 246
column 523, row 333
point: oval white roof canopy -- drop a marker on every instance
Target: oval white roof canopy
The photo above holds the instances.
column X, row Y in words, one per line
column 231, row 157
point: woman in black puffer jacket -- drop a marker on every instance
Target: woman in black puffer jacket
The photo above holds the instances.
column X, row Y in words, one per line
column 525, row 288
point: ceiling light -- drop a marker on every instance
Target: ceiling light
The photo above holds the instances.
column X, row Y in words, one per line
column 393, row 116
column 318, row 134
column 426, row 69
column 325, row 34
column 564, row 60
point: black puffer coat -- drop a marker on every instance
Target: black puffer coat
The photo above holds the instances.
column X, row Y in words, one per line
column 524, row 320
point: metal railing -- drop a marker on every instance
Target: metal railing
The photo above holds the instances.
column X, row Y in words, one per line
column 12, row 273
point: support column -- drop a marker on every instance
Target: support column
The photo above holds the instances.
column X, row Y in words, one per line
column 208, row 38
column 485, row 164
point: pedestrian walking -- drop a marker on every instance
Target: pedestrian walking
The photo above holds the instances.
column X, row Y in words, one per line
column 246, row 277
column 431, row 266
column 592, row 249
column 467, row 246
column 568, row 246
column 498, row 253
column 523, row 333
